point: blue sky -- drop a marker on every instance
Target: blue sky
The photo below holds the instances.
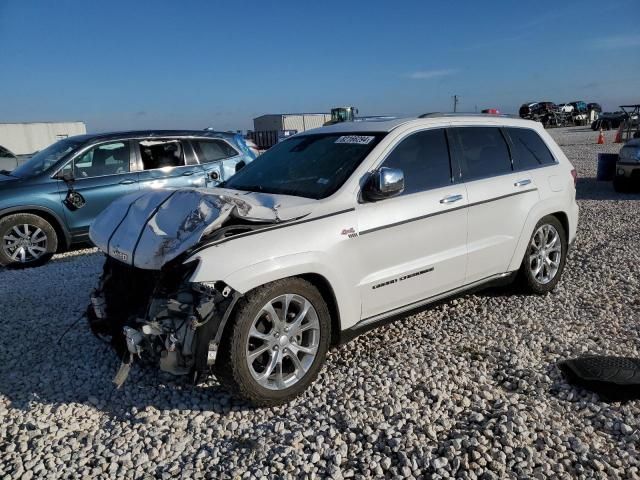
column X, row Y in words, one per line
column 190, row 64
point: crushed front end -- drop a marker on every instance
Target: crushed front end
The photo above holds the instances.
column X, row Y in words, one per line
column 160, row 316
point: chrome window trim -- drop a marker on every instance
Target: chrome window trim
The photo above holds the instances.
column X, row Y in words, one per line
column 90, row 146
column 133, row 162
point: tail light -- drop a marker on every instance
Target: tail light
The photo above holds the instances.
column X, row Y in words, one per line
column 574, row 174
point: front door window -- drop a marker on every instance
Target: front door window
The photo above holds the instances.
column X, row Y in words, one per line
column 105, row 159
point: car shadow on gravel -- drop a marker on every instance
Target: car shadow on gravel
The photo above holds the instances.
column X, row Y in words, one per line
column 588, row 188
column 84, row 377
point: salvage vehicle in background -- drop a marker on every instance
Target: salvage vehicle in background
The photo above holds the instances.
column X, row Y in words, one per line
column 595, row 107
column 627, row 176
column 608, row 120
column 537, row 111
column 579, row 113
column 565, row 108
column 326, row 235
column 48, row 203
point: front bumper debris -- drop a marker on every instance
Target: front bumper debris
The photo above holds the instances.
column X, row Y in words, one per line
column 160, row 316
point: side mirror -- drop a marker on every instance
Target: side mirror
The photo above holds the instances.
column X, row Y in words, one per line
column 384, row 183
column 68, row 178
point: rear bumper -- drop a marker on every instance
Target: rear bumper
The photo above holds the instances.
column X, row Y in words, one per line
column 573, row 222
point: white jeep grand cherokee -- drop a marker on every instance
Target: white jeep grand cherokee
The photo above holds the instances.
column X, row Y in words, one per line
column 327, row 234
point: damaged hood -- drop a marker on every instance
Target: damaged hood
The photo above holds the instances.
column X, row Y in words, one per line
column 149, row 229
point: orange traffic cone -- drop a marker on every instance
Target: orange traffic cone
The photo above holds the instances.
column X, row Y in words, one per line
column 600, row 138
column 619, row 135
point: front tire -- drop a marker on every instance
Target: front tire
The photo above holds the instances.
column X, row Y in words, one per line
column 26, row 240
column 277, row 342
column 545, row 257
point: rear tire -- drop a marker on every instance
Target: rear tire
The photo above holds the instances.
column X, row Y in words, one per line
column 273, row 377
column 26, row 240
column 544, row 258
column 621, row 184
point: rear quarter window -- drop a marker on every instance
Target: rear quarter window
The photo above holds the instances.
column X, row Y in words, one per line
column 528, row 149
column 213, row 150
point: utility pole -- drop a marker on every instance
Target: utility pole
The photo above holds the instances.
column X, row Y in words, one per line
column 456, row 99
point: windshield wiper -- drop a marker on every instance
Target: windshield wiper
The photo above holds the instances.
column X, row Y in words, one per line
column 6, row 173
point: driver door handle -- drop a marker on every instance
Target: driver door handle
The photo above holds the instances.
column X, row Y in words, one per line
column 522, row 183
column 186, row 174
column 451, row 199
column 127, row 182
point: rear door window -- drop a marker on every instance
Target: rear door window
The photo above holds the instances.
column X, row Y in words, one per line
column 213, row 150
column 482, row 152
column 528, row 149
column 161, row 154
column 423, row 157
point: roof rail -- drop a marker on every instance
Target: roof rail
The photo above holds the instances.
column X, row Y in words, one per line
column 440, row 114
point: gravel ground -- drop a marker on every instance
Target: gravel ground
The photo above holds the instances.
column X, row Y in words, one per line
column 468, row 388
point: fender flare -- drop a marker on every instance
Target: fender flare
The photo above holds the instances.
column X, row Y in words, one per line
column 298, row 264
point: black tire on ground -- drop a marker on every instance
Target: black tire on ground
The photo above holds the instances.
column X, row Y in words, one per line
column 621, row 184
column 232, row 368
column 7, row 225
column 527, row 282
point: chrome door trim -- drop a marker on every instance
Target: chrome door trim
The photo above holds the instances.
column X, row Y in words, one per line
column 452, row 209
column 451, row 199
column 522, row 183
column 426, row 301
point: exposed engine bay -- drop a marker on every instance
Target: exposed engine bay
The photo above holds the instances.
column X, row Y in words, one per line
column 145, row 305
column 160, row 316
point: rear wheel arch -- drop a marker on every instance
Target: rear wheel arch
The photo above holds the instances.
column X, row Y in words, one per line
column 564, row 220
column 536, row 282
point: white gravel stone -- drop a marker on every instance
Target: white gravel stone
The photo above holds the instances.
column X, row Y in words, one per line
column 469, row 387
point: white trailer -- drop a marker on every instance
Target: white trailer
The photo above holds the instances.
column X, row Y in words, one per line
column 290, row 121
column 28, row 138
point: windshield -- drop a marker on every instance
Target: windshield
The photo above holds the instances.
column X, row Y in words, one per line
column 312, row 166
column 45, row 159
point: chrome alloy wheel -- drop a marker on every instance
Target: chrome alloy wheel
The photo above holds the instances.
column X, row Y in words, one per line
column 283, row 341
column 545, row 253
column 25, row 243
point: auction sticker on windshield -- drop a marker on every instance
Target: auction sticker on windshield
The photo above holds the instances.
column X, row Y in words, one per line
column 357, row 139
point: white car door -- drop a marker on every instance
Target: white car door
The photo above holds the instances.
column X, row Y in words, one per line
column 499, row 199
column 413, row 246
